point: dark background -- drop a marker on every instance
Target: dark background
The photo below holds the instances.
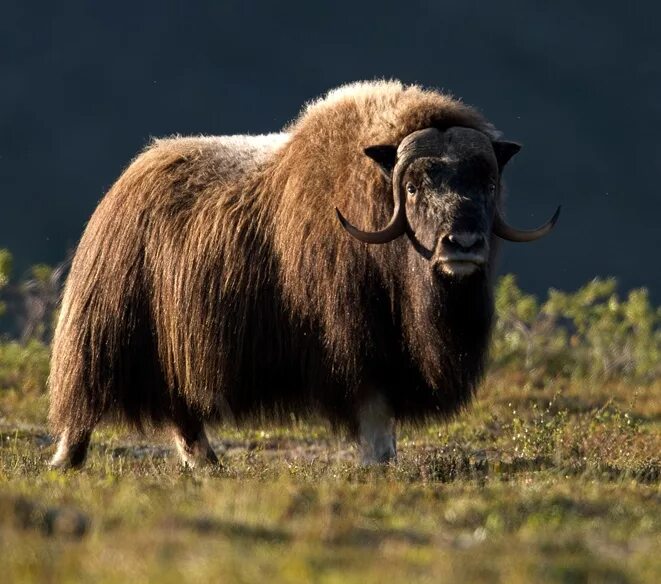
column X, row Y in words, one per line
column 84, row 86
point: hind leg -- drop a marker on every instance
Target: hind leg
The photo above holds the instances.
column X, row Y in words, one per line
column 71, row 450
column 192, row 442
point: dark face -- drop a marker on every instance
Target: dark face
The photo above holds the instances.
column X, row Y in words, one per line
column 445, row 188
column 450, row 201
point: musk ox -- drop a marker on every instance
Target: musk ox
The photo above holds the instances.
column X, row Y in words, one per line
column 215, row 281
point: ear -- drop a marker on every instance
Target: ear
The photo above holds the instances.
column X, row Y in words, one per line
column 504, row 151
column 385, row 156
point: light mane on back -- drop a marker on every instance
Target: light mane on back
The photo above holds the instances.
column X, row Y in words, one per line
column 240, row 153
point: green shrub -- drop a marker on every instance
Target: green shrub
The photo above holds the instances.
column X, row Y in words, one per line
column 590, row 332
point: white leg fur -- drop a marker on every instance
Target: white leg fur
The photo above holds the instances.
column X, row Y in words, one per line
column 61, row 454
column 377, row 441
column 69, row 454
column 195, row 453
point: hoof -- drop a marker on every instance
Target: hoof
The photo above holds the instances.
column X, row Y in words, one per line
column 70, row 454
column 196, row 453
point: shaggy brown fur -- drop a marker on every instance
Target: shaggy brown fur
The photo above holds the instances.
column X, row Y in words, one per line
column 214, row 280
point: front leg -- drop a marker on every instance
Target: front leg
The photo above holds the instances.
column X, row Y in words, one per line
column 377, row 443
column 193, row 448
column 191, row 440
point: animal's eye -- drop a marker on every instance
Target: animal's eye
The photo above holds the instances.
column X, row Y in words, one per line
column 411, row 189
column 492, row 188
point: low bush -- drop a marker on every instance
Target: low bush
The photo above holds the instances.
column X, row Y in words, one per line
column 591, row 332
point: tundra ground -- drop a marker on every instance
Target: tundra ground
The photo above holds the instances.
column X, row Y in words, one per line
column 558, row 482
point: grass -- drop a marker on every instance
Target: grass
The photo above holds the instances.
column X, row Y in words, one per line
column 556, row 481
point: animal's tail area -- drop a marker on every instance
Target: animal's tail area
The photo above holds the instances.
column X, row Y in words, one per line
column 78, row 401
column 104, row 366
column 104, row 363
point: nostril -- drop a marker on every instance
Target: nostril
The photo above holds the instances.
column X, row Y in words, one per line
column 465, row 239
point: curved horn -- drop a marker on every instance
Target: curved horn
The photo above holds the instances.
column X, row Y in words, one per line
column 505, row 231
column 397, row 225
